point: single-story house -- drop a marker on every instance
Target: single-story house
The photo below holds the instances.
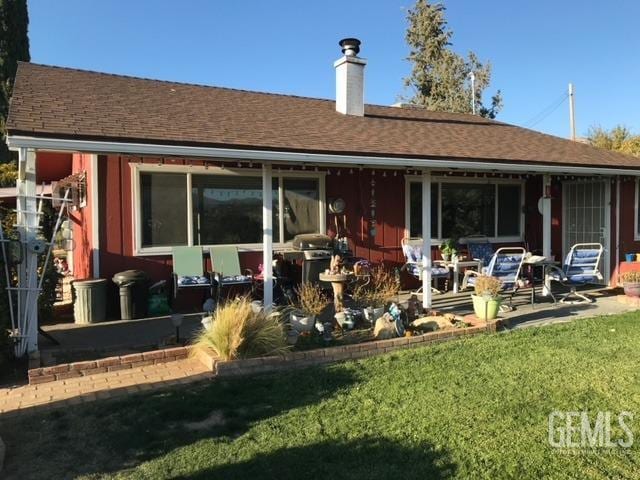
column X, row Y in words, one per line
column 170, row 164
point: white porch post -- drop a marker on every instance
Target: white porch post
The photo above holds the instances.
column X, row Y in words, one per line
column 27, row 224
column 267, row 234
column 546, row 215
column 426, row 239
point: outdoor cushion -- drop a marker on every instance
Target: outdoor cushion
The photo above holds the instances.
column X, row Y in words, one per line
column 507, row 283
column 193, row 281
column 227, row 279
column 481, row 251
column 413, row 253
column 436, row 272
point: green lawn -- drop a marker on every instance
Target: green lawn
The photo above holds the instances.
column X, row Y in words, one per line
column 475, row 408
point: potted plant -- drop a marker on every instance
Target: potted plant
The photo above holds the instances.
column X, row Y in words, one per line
column 382, row 289
column 487, row 299
column 311, row 302
column 631, row 283
column 448, row 249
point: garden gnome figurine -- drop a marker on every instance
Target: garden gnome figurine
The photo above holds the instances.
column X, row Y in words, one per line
column 413, row 308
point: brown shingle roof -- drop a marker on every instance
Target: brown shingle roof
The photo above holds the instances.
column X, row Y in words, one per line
column 68, row 103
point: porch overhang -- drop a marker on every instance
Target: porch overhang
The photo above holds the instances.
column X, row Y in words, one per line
column 16, row 142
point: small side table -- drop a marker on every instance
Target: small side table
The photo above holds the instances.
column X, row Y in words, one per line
column 455, row 267
column 544, row 264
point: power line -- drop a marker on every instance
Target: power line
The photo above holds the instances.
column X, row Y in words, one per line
column 544, row 113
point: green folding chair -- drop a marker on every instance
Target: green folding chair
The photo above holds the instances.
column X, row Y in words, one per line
column 225, row 266
column 188, row 270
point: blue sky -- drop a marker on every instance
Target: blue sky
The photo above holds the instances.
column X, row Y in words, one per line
column 288, row 46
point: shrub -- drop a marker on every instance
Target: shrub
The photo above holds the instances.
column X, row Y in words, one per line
column 487, row 285
column 383, row 288
column 311, row 300
column 630, row 277
column 238, row 332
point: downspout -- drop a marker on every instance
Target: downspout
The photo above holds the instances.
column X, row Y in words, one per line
column 617, row 265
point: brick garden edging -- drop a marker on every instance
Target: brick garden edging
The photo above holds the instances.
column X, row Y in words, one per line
column 336, row 354
column 109, row 364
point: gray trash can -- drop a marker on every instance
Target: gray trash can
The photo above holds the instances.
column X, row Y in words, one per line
column 90, row 304
column 134, row 293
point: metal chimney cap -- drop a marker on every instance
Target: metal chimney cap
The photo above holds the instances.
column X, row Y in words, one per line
column 350, row 46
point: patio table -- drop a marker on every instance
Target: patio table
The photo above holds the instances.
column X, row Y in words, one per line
column 544, row 263
column 455, row 266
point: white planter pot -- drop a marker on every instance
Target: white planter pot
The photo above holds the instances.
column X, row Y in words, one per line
column 207, row 322
column 302, row 323
column 256, row 306
column 372, row 314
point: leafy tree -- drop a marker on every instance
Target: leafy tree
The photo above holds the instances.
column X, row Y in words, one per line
column 14, row 46
column 8, row 174
column 440, row 77
column 619, row 138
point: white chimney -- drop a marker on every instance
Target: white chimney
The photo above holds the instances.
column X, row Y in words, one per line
column 350, row 79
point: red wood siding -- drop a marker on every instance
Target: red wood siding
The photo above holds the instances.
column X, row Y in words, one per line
column 353, row 185
column 82, row 223
column 52, row 166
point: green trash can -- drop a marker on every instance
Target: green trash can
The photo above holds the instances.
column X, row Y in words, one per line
column 90, row 304
column 134, row 293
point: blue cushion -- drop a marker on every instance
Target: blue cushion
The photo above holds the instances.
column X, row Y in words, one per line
column 582, row 278
column 193, row 281
column 481, row 251
column 228, row 279
column 413, row 253
column 436, row 272
column 583, row 254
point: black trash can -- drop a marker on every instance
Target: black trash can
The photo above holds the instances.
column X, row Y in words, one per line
column 134, row 293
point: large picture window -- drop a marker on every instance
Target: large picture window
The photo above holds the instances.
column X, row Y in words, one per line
column 162, row 196
column 463, row 209
column 223, row 209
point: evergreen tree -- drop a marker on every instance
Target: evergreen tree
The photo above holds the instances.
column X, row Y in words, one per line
column 14, row 46
column 440, row 77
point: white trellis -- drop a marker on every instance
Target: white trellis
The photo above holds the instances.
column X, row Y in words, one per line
column 23, row 290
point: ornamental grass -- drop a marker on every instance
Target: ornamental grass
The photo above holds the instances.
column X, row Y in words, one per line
column 238, row 332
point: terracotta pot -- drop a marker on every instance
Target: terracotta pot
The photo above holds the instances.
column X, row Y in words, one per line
column 486, row 309
column 632, row 289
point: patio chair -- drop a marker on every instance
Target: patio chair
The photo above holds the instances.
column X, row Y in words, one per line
column 581, row 267
column 506, row 265
column 412, row 250
column 188, row 269
column 480, row 249
column 225, row 267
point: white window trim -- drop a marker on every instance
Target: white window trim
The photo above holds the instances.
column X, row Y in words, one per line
column 436, row 240
column 138, row 168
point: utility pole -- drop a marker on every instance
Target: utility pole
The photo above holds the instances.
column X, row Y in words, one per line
column 572, row 113
column 473, row 91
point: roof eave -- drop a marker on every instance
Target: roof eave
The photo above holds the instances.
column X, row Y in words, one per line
column 275, row 156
